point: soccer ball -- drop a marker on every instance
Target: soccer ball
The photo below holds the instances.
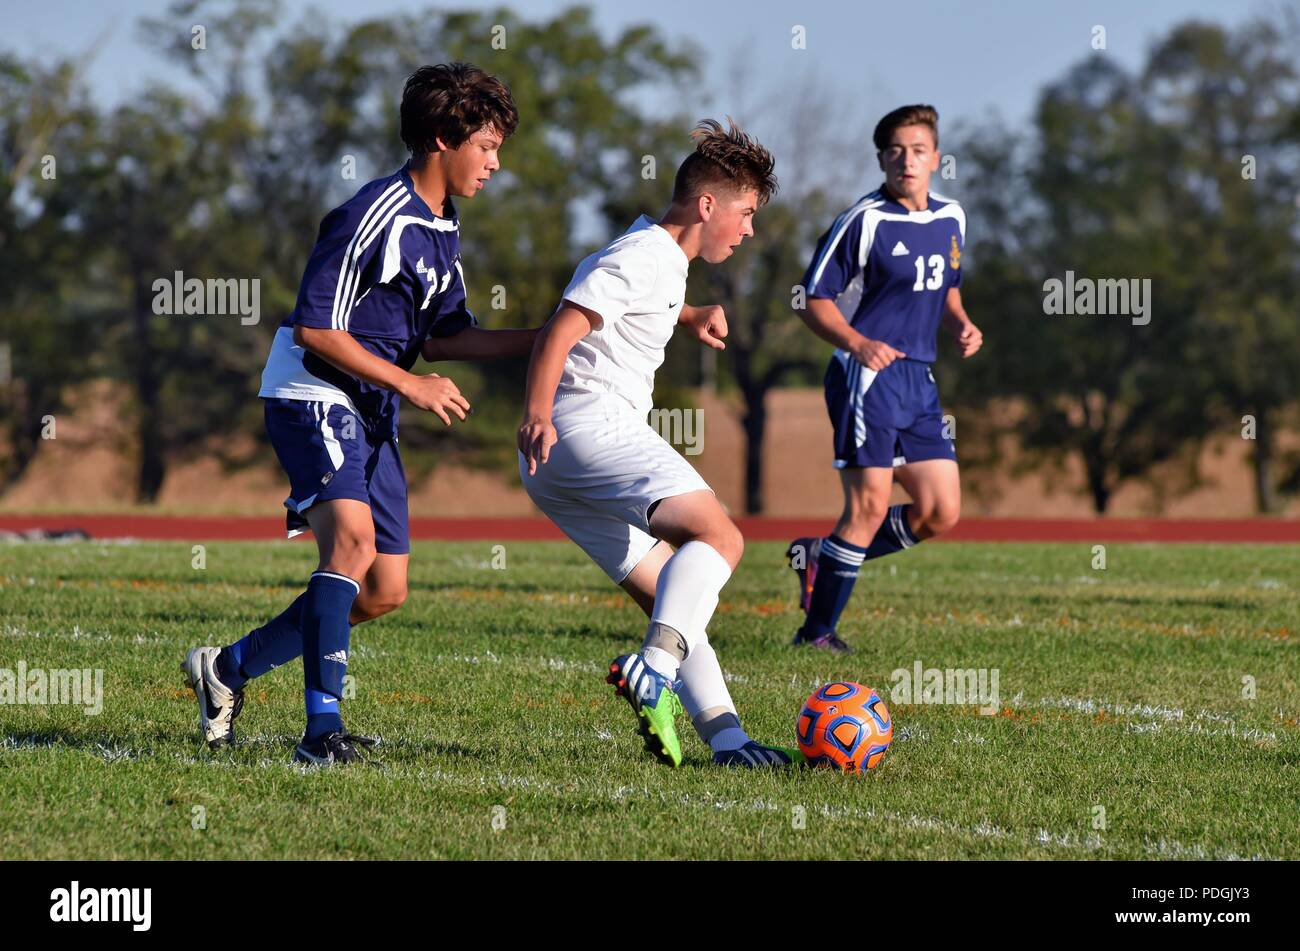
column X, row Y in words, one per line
column 845, row 725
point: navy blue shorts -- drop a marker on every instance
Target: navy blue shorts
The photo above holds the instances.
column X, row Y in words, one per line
column 886, row 418
column 328, row 454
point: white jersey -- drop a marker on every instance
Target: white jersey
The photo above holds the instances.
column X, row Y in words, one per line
column 638, row 285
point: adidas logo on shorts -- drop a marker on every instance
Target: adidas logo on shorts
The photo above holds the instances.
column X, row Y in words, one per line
column 339, row 657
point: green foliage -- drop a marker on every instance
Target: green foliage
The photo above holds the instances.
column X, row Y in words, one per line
column 1142, row 176
column 1122, row 175
column 232, row 183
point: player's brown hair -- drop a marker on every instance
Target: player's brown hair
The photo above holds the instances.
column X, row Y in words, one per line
column 452, row 101
column 924, row 115
column 724, row 160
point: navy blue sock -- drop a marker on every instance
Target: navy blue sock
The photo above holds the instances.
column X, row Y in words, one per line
column 895, row 533
column 325, row 638
column 276, row 642
column 837, row 569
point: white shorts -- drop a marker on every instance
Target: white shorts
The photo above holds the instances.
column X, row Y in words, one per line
column 606, row 470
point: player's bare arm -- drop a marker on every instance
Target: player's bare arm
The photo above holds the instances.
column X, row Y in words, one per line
column 475, row 343
column 566, row 327
column 824, row 319
column 707, row 324
column 432, row 393
column 969, row 337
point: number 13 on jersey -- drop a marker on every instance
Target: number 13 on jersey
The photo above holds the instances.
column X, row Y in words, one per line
column 936, row 273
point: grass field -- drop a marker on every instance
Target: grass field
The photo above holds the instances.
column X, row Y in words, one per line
column 1119, row 688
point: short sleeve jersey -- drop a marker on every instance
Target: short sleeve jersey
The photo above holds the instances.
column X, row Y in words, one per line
column 889, row 269
column 387, row 270
column 638, row 285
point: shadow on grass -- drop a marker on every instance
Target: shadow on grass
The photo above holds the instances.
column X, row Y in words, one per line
column 103, row 742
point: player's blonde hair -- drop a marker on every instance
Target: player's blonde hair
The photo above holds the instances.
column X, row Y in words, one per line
column 727, row 159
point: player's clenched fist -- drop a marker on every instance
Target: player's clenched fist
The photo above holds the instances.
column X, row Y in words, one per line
column 536, row 437
column 875, row 354
column 707, row 324
column 436, row 394
column 969, row 338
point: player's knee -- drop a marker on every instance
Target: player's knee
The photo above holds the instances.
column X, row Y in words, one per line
column 737, row 546
column 352, row 554
column 724, row 537
column 941, row 519
column 733, row 545
column 372, row 604
column 868, row 512
column 728, row 542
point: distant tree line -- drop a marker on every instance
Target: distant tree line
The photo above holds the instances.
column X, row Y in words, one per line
column 1185, row 175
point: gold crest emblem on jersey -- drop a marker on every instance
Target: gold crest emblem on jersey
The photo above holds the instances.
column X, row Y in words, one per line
column 954, row 255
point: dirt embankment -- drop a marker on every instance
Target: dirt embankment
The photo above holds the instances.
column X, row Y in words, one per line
column 90, row 466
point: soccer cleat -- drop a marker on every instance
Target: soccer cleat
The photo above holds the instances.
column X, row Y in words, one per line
column 334, row 748
column 830, row 642
column 218, row 704
column 811, row 549
column 754, row 755
column 653, row 701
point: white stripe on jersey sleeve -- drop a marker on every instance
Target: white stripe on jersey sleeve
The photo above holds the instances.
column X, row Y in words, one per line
column 347, row 255
column 350, row 289
column 838, row 229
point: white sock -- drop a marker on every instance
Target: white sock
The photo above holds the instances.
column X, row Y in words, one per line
column 661, row 661
column 686, row 594
column 703, row 689
column 703, row 685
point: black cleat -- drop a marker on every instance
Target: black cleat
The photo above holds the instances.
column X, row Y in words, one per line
column 828, row 642
column 335, row 748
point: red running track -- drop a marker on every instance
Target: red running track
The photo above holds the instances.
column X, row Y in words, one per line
column 252, row 528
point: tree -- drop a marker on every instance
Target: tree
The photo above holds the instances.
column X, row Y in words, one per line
column 767, row 343
column 46, row 123
column 229, row 181
column 1222, row 102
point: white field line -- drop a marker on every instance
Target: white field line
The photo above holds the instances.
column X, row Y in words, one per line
column 101, row 637
column 77, row 634
column 1040, row 837
column 1044, row 838
column 1149, row 717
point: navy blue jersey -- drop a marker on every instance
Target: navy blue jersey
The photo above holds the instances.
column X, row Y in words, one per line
column 889, row 269
column 386, row 269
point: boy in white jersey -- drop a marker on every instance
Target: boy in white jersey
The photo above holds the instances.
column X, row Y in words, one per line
column 590, row 461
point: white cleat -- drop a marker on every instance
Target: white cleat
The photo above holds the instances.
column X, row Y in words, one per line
column 218, row 704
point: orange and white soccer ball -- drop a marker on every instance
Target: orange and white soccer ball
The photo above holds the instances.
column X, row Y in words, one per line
column 845, row 725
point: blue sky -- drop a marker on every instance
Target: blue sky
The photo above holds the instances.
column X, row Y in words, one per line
column 965, row 57
column 815, row 107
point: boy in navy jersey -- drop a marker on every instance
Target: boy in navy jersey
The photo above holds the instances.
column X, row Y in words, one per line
column 883, row 279
column 383, row 286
